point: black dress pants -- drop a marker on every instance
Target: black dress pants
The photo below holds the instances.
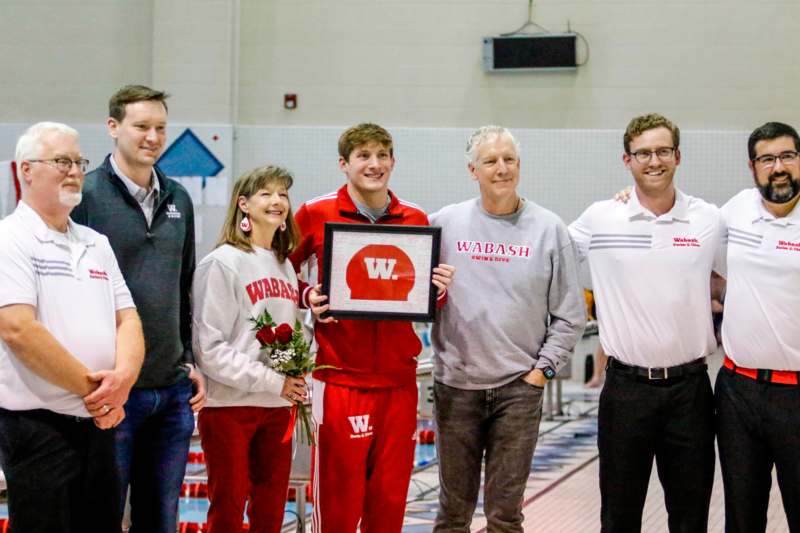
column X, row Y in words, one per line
column 758, row 427
column 61, row 473
column 671, row 420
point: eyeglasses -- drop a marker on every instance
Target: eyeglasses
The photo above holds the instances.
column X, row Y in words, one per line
column 768, row 160
column 64, row 164
column 644, row 156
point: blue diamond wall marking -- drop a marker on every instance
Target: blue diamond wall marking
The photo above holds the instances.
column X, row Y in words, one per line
column 188, row 156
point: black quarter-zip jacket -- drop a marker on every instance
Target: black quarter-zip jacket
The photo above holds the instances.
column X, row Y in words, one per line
column 157, row 262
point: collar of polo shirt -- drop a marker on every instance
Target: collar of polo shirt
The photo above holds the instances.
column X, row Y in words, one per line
column 762, row 213
column 42, row 232
column 679, row 211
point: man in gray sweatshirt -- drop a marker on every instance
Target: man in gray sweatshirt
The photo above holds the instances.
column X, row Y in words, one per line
column 513, row 316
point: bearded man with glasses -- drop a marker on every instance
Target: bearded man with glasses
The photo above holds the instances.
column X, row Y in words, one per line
column 757, row 391
column 651, row 261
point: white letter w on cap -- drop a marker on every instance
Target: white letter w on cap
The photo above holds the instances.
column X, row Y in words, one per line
column 380, row 268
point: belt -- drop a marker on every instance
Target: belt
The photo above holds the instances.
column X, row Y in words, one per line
column 765, row 375
column 659, row 373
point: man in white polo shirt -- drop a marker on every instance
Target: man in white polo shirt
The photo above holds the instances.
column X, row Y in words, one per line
column 651, row 261
column 757, row 392
column 68, row 330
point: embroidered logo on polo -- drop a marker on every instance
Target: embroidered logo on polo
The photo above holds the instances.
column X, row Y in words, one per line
column 172, row 211
column 51, row 267
column 744, row 238
column 793, row 246
column 98, row 274
column 601, row 241
column 685, row 242
column 493, row 251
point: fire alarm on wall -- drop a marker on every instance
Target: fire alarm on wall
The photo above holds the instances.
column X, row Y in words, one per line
column 290, row 101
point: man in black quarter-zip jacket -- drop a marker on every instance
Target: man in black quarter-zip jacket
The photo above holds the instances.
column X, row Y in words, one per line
column 149, row 220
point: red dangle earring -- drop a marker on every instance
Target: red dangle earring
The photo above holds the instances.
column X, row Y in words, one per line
column 245, row 224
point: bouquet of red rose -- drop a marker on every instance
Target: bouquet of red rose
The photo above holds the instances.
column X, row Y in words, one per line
column 288, row 353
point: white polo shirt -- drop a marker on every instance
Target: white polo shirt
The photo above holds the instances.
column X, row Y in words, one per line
column 760, row 327
column 74, row 283
column 651, row 277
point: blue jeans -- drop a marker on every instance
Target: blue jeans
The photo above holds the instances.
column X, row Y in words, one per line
column 152, row 446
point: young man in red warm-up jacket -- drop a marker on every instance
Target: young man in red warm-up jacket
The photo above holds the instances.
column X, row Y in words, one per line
column 365, row 406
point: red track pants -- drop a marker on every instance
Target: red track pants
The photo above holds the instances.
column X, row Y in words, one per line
column 364, row 457
column 247, row 462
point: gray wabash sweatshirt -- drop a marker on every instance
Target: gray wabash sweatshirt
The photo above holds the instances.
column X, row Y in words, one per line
column 515, row 302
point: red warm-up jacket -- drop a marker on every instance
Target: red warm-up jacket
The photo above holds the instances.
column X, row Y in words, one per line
column 365, row 353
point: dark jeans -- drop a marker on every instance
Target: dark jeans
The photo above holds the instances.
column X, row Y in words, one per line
column 152, row 449
column 758, row 426
column 60, row 473
column 671, row 420
column 502, row 422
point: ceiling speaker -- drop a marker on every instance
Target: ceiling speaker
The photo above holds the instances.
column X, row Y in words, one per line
column 511, row 53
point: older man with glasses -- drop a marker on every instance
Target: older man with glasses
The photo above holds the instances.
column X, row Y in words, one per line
column 758, row 389
column 66, row 316
column 651, row 261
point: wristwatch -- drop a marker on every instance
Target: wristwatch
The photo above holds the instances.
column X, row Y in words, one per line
column 549, row 373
